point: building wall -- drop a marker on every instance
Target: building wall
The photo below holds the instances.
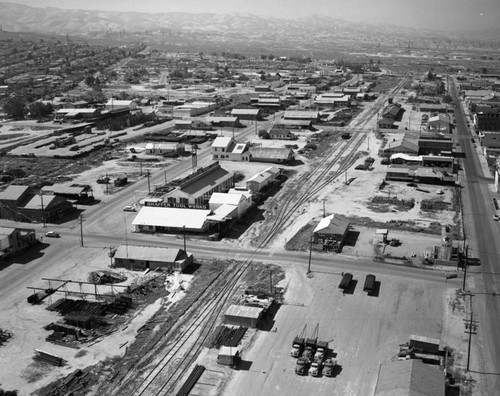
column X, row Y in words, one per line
column 241, row 321
column 145, row 264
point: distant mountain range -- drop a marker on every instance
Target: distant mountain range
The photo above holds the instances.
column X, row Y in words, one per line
column 205, row 27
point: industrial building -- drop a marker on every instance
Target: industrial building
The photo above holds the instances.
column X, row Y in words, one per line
column 15, row 240
column 195, row 190
column 166, row 149
column 149, row 257
column 408, row 378
column 192, row 109
column 247, row 114
column 262, row 179
column 77, row 193
column 276, row 155
column 233, row 205
column 243, row 315
column 171, row 220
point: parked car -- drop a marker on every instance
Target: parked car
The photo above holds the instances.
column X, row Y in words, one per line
column 439, row 192
column 496, row 218
column 52, row 234
column 129, row 208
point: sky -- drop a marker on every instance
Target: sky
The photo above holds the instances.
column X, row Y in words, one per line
column 432, row 14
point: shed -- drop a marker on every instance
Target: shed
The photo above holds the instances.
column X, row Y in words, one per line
column 242, row 315
column 228, row 356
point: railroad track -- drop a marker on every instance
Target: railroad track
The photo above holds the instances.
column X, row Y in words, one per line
column 181, row 353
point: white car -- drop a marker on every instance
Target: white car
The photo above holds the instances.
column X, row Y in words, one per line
column 129, row 208
column 440, row 192
column 52, row 234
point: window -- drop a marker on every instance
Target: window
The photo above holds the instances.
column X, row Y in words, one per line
column 183, row 200
column 171, row 200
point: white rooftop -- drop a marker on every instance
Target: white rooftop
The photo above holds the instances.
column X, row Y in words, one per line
column 171, row 217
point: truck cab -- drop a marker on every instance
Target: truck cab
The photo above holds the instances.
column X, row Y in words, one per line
column 310, row 349
column 297, row 347
column 301, row 367
column 321, row 348
column 315, row 369
column 329, row 367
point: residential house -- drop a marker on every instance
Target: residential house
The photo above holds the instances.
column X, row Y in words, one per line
column 227, row 148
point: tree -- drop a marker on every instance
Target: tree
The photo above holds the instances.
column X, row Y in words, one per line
column 263, row 134
column 40, row 110
column 89, row 80
column 15, row 107
column 447, row 98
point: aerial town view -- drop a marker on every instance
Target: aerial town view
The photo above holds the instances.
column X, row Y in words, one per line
column 249, row 198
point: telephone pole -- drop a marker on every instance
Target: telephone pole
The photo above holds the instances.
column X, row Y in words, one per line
column 81, row 229
column 470, row 328
column 310, row 256
column 149, row 185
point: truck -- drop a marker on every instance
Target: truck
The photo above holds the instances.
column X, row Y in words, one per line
column 329, row 367
column 321, row 350
column 369, row 283
column 346, row 281
column 310, row 345
column 315, row 369
column 298, row 344
column 301, row 366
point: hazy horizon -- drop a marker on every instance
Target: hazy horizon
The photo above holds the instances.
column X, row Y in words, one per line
column 451, row 15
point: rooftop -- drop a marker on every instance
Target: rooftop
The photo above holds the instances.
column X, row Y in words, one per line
column 171, row 217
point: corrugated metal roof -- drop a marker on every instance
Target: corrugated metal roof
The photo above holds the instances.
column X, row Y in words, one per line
column 192, row 219
column 253, row 112
column 301, row 114
column 209, row 180
column 244, row 311
column 271, row 152
column 13, row 193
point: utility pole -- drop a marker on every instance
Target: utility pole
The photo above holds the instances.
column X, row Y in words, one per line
column 43, row 209
column 324, row 209
column 184, row 236
column 470, row 328
column 149, row 186
column 125, row 229
column 310, row 256
column 466, row 261
column 271, row 281
column 81, row 229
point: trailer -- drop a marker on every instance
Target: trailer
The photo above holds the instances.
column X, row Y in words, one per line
column 346, row 281
column 369, row 283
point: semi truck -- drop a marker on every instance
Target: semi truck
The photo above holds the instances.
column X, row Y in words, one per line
column 301, row 366
column 310, row 345
column 298, row 344
column 329, row 367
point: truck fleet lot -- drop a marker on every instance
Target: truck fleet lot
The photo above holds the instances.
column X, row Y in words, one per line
column 363, row 331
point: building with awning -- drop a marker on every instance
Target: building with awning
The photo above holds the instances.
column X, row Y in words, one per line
column 333, row 227
column 171, row 220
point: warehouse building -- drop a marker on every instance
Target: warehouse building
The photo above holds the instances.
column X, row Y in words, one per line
column 410, row 378
column 262, row 179
column 171, row 220
column 243, row 315
column 151, row 257
column 277, row 155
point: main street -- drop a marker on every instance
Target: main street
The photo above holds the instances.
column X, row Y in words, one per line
column 483, row 239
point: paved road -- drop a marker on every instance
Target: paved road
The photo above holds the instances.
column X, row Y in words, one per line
column 483, row 239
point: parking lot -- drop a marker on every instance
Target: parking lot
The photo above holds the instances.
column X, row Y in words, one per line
column 363, row 332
